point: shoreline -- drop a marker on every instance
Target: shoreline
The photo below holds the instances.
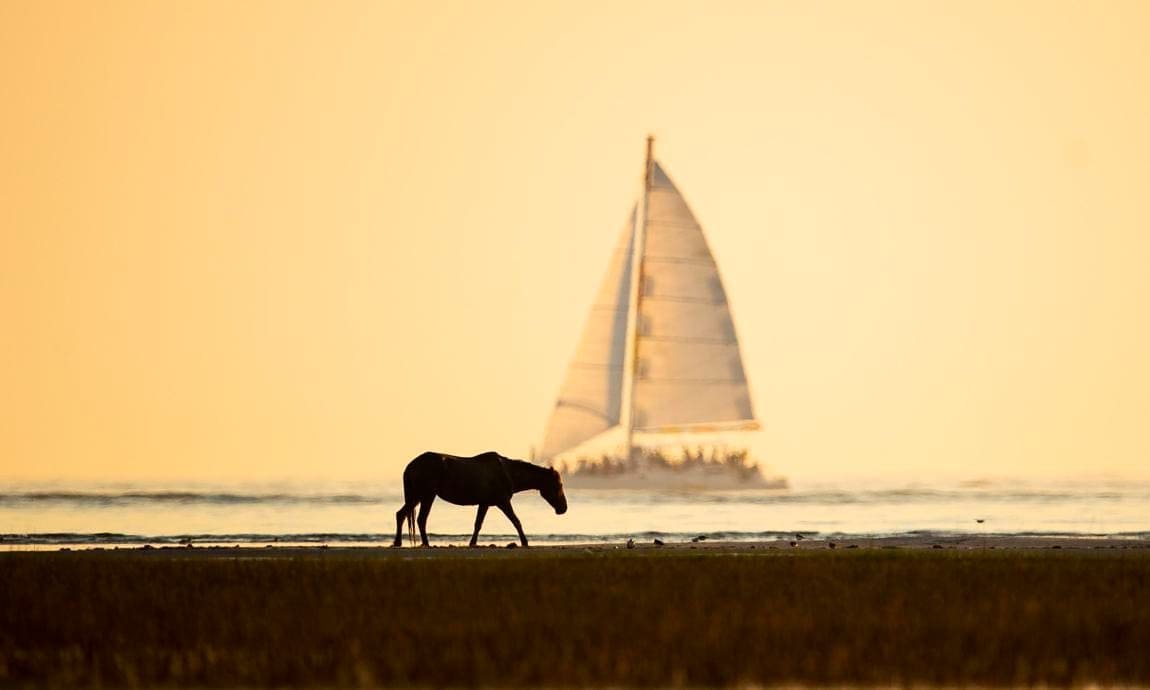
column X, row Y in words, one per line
column 705, row 545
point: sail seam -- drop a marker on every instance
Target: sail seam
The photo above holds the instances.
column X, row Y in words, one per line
column 585, row 407
column 684, row 380
column 676, row 225
column 686, row 339
column 681, row 260
column 685, row 300
column 748, row 424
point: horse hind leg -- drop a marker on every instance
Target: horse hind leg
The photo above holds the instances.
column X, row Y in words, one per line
column 479, row 515
column 402, row 514
column 412, row 488
column 424, row 511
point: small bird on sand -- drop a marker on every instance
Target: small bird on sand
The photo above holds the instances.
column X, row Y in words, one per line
column 630, row 543
column 794, row 543
column 658, row 542
column 831, row 544
column 799, row 537
column 701, row 537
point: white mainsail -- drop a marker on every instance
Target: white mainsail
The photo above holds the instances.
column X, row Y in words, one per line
column 680, row 370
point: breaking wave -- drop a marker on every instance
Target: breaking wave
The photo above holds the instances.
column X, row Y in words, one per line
column 187, row 497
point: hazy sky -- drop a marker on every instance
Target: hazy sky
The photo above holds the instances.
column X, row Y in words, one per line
column 279, row 239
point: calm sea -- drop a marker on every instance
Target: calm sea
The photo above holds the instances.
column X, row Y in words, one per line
column 51, row 515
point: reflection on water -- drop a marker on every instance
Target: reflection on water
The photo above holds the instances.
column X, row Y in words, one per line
column 364, row 512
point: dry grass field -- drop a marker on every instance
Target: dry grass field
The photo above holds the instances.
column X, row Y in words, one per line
column 574, row 617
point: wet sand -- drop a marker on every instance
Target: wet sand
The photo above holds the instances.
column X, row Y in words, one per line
column 954, row 611
column 969, row 542
column 705, row 545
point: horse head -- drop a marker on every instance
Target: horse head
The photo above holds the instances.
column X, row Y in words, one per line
column 552, row 492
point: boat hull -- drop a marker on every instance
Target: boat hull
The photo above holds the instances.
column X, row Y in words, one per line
column 675, row 479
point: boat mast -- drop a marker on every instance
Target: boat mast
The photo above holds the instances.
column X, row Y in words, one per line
column 632, row 369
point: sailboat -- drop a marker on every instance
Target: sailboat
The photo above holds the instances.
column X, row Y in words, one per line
column 657, row 379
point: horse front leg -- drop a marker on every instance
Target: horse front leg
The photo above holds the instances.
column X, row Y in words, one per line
column 510, row 513
column 424, row 511
column 479, row 515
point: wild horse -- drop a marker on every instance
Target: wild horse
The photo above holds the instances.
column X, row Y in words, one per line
column 486, row 480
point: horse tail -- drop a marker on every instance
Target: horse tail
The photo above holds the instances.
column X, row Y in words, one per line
column 411, row 525
column 409, row 492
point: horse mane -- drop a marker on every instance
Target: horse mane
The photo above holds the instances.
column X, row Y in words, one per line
column 529, row 468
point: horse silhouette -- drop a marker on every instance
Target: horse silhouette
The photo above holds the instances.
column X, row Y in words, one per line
column 486, row 480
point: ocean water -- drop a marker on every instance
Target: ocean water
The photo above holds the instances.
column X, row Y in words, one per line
column 77, row 514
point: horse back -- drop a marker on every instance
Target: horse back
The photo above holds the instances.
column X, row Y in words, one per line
column 481, row 479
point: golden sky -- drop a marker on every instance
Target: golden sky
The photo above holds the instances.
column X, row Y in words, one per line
column 243, row 239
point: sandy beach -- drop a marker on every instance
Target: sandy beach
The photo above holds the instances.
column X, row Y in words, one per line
column 955, row 611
